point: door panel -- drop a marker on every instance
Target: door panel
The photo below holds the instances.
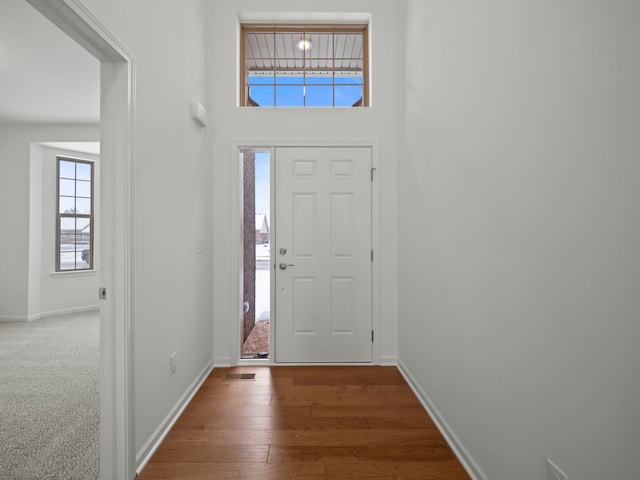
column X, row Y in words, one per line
column 322, row 254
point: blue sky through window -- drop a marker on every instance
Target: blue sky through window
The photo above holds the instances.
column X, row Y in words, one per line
column 262, row 185
column 293, row 92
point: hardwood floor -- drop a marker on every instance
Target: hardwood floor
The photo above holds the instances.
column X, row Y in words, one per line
column 304, row 423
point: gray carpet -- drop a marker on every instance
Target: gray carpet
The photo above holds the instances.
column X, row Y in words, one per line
column 49, row 401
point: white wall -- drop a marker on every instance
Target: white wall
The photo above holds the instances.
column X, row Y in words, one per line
column 53, row 293
column 15, row 143
column 519, row 268
column 231, row 123
column 172, row 203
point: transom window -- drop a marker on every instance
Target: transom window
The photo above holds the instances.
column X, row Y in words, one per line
column 74, row 232
column 304, row 66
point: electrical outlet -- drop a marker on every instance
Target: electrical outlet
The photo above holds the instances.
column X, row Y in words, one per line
column 553, row 472
column 172, row 363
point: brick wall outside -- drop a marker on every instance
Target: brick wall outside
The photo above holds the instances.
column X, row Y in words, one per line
column 249, row 240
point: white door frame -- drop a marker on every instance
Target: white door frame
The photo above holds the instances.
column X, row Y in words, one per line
column 117, row 87
column 236, row 232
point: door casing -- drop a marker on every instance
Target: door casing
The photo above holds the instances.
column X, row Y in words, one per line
column 236, row 253
column 117, row 88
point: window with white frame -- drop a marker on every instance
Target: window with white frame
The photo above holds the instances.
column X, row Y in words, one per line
column 74, row 230
column 304, row 65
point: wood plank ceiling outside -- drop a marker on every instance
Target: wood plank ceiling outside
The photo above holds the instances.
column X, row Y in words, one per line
column 268, row 51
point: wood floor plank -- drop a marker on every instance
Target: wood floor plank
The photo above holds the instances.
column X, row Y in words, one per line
column 304, row 423
column 349, row 454
column 248, row 410
column 207, row 453
column 342, row 399
column 354, row 376
column 396, row 471
column 233, row 471
column 394, row 423
column 207, row 422
column 342, row 438
column 240, row 388
column 259, row 371
column 218, row 382
column 366, row 411
column 220, row 399
column 364, row 389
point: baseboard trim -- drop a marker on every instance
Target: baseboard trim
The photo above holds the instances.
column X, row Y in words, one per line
column 221, row 362
column 55, row 313
column 251, row 362
column 66, row 311
column 389, row 361
column 460, row 451
column 149, row 448
column 13, row 318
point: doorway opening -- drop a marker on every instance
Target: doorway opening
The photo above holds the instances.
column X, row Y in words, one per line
column 256, row 320
column 117, row 93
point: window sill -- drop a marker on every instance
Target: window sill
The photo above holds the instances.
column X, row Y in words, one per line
column 74, row 273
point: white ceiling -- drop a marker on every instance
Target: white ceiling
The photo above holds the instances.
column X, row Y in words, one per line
column 45, row 77
column 82, row 147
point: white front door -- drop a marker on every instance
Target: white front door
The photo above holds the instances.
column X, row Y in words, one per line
column 322, row 254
